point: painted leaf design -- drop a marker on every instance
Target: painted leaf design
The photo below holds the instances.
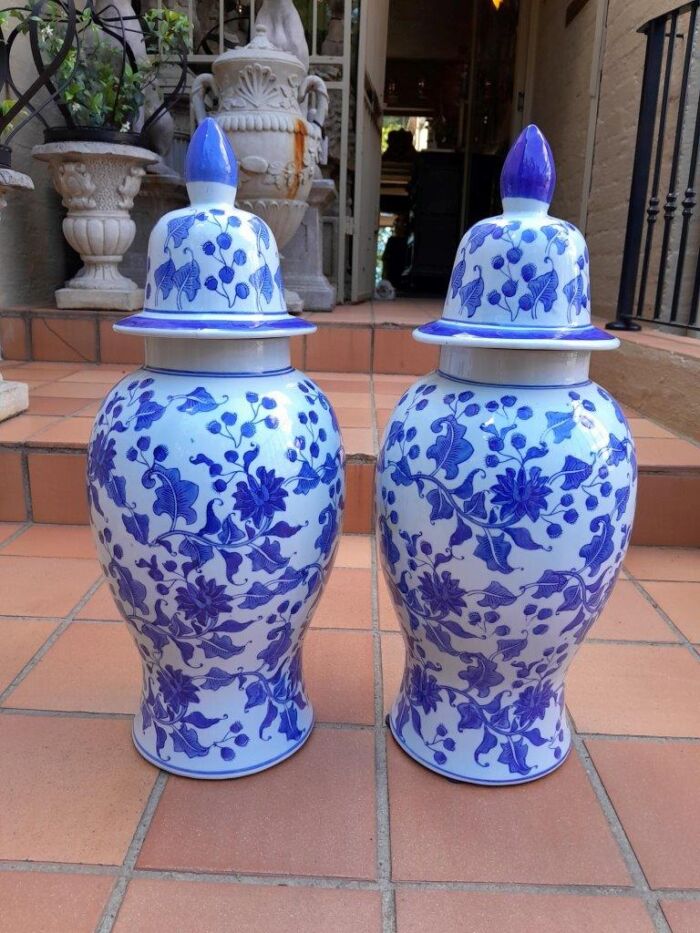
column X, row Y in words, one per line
column 493, row 549
column 164, row 277
column 179, row 229
column 175, row 496
column 479, row 234
column 561, row 423
column 458, row 274
column 197, row 401
column 496, row 595
column 549, row 583
column 186, row 279
column 262, row 280
column 261, row 231
column 514, row 754
column 543, row 289
column 575, row 294
column 600, row 547
column 451, row 448
column 575, row 472
column 470, row 294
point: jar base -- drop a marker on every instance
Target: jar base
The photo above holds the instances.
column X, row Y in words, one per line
column 468, row 779
column 224, row 774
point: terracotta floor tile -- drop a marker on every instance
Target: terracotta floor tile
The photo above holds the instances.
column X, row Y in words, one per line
column 314, row 814
column 53, row 541
column 86, row 390
column 41, row 586
column 681, row 603
column 353, row 418
column 393, row 660
column 354, row 551
column 655, row 790
column 64, row 339
column 630, row 617
column 388, row 619
column 642, row 427
column 346, row 601
column 68, row 432
column 664, row 563
column 388, row 400
column 635, row 690
column 7, row 529
column 168, row 906
column 530, row 834
column 667, row 452
column 359, row 441
column 383, row 416
column 339, row 676
column 72, row 790
column 20, row 641
column 18, row 429
column 91, row 409
column 54, row 406
column 103, row 375
column 90, row 668
column 47, row 902
column 359, row 492
column 101, row 606
column 446, row 912
column 682, row 916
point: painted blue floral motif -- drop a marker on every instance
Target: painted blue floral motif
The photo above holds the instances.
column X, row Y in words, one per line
column 503, row 518
column 201, row 253
column 216, row 533
column 541, row 266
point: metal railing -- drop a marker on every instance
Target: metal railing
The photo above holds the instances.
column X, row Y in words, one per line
column 660, row 276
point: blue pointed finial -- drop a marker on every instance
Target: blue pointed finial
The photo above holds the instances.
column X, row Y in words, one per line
column 528, row 171
column 210, row 156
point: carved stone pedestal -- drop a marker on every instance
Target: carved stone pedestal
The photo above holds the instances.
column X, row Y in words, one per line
column 302, row 262
column 14, row 396
column 98, row 183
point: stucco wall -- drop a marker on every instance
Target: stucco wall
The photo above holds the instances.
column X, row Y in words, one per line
column 560, row 102
column 564, row 59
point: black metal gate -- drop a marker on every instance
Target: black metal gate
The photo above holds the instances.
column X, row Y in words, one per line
column 660, row 277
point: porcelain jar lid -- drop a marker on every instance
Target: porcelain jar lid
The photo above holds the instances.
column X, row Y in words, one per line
column 521, row 280
column 213, row 271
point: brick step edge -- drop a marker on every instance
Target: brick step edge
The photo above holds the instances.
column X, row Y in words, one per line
column 48, row 485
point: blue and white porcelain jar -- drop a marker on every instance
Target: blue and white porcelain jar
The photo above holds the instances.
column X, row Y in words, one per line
column 215, row 478
column 505, row 494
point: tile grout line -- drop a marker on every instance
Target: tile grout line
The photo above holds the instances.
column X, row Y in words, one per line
column 381, row 777
column 684, row 640
column 109, row 915
column 23, row 526
column 50, row 641
column 632, row 863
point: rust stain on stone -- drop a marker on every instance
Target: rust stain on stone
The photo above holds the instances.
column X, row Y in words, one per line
column 299, row 150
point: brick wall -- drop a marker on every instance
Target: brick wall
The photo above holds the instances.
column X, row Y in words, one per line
column 564, row 57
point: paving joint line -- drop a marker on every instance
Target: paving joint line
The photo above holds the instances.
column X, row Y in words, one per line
column 116, row 898
column 683, row 639
column 381, row 776
column 632, row 863
column 49, row 643
column 23, row 526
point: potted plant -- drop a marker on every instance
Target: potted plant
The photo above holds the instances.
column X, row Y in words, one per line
column 108, row 96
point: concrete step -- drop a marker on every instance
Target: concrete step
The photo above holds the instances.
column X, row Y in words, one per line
column 43, row 452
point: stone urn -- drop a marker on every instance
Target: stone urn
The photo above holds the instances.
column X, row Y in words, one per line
column 273, row 114
column 97, row 182
column 14, row 396
column 505, row 494
column 216, row 484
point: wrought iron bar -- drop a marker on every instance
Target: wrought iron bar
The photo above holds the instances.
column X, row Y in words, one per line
column 659, row 106
column 640, row 176
column 672, row 195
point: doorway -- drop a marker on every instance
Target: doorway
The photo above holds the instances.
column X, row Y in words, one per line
column 450, row 109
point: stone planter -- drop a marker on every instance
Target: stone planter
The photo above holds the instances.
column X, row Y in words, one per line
column 505, row 495
column 98, row 183
column 14, row 396
column 216, row 486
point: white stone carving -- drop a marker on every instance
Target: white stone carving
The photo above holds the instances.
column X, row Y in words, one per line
column 98, row 183
column 14, row 396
